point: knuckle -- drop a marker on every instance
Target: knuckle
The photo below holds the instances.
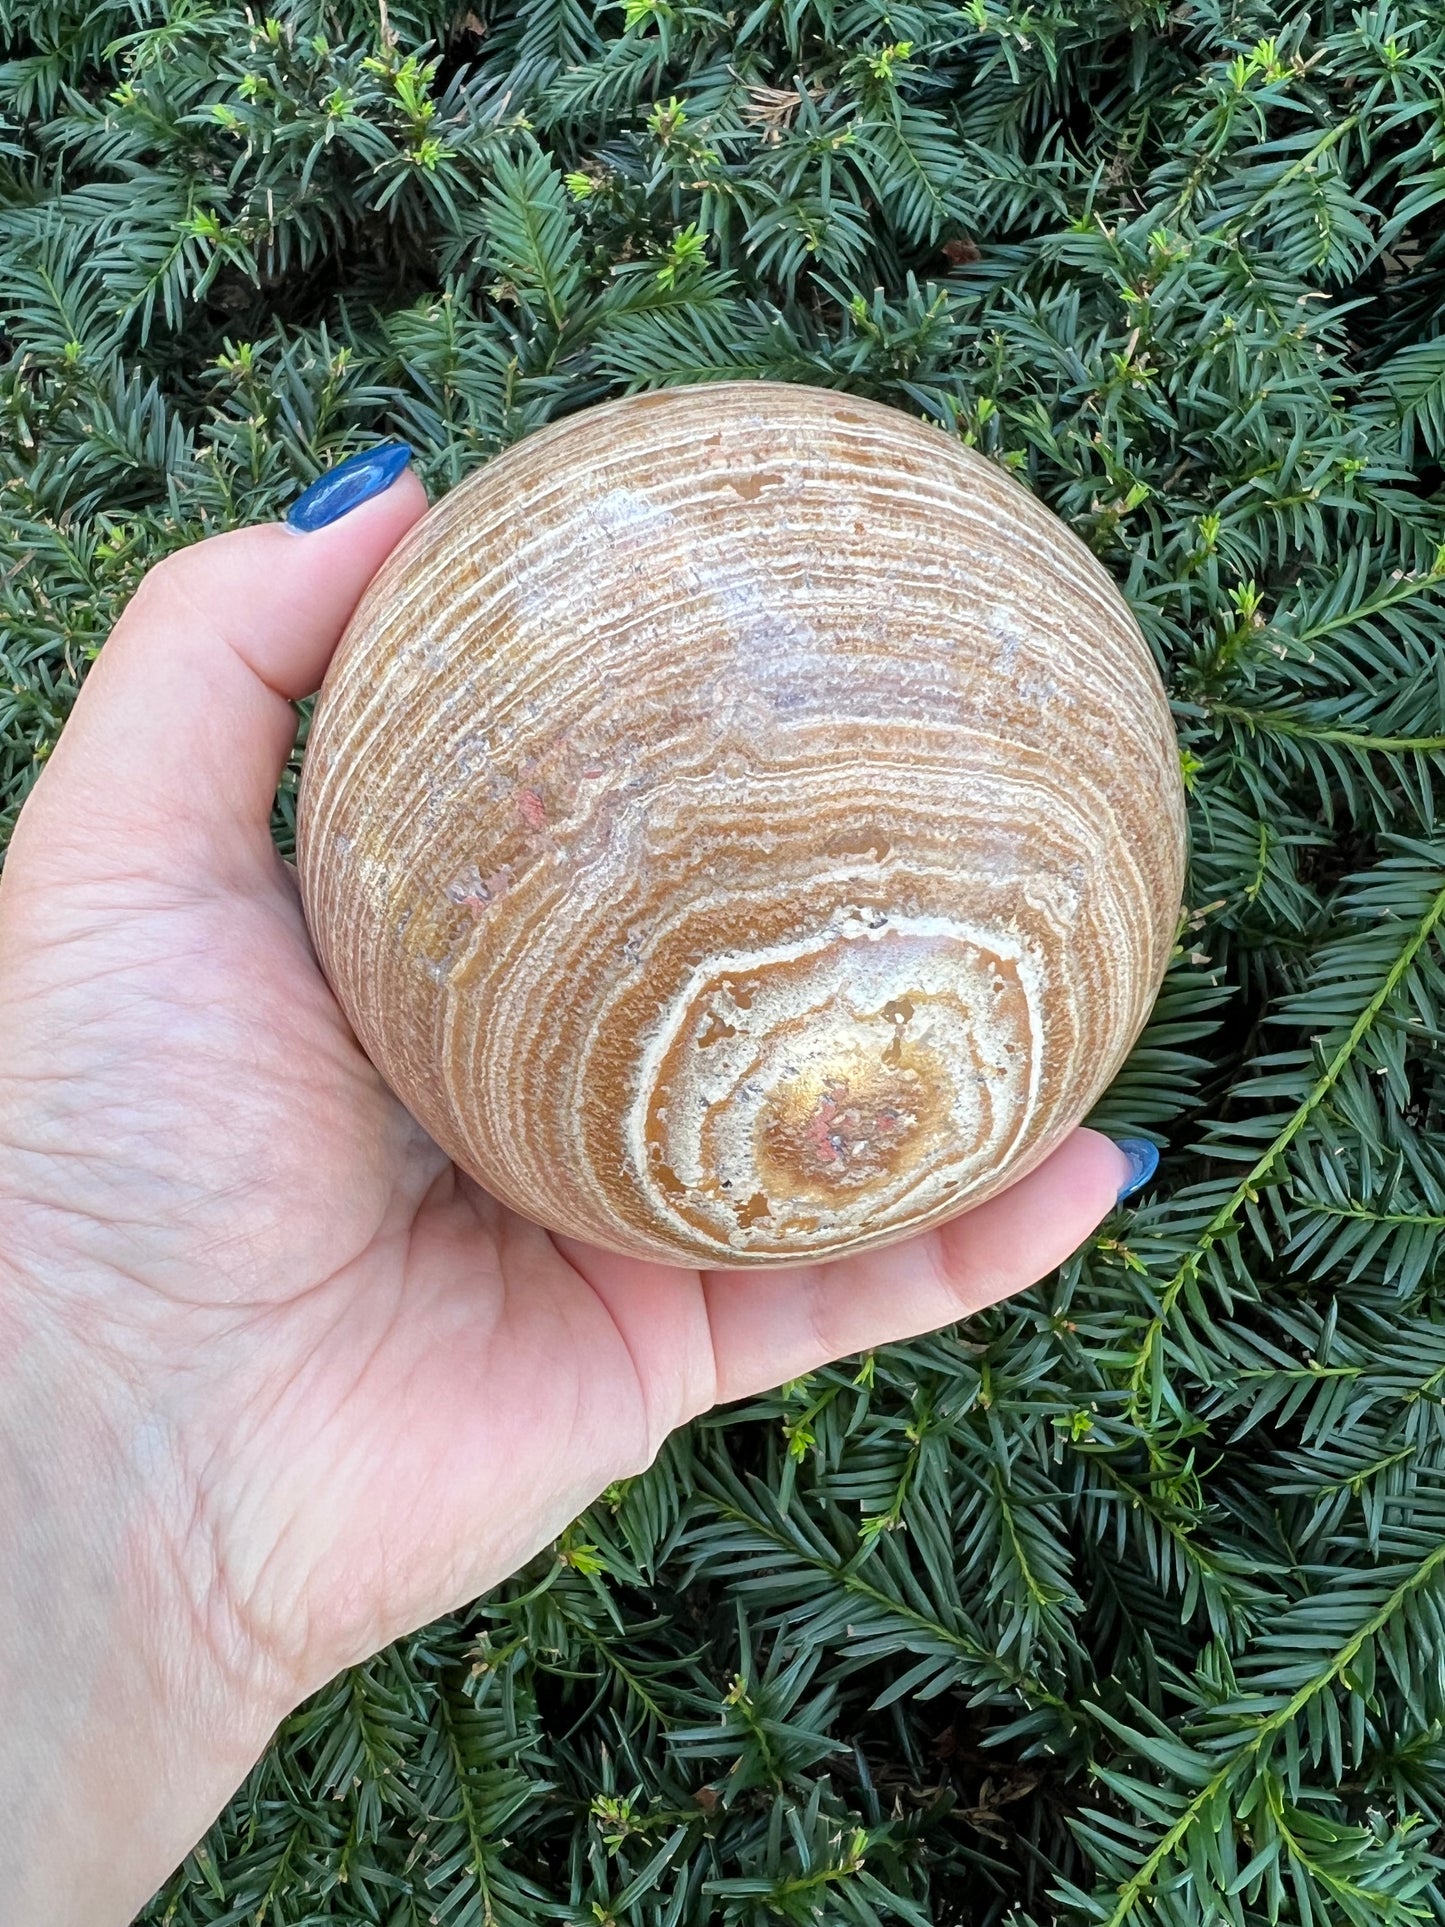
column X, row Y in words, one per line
column 161, row 581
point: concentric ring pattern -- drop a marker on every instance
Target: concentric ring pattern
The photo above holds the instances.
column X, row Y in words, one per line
column 742, row 825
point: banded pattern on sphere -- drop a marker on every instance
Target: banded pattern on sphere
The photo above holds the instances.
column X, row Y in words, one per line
column 742, row 825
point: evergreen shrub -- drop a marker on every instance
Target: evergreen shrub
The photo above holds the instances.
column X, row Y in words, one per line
column 1123, row 1603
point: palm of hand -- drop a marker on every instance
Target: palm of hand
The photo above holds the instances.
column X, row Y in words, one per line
column 377, row 1390
column 388, row 1391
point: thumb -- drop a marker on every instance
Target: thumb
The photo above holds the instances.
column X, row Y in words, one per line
column 169, row 762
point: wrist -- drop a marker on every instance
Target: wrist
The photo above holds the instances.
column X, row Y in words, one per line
column 135, row 1699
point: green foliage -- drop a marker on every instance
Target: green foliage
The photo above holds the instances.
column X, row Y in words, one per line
column 1125, row 1602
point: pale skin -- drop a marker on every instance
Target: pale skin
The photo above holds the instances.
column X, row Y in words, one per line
column 277, row 1382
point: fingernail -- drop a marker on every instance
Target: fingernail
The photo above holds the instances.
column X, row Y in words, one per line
column 347, row 486
column 1143, row 1163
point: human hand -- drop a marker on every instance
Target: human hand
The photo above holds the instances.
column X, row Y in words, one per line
column 277, row 1382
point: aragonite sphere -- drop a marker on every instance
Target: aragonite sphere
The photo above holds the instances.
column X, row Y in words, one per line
column 743, row 825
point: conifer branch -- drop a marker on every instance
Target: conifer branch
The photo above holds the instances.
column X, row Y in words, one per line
column 1247, row 1190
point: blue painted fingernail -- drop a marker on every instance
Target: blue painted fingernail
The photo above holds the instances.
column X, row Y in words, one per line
column 1143, row 1163
column 347, row 486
